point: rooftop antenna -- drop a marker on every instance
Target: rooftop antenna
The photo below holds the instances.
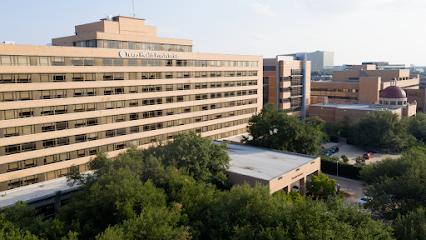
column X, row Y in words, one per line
column 133, row 3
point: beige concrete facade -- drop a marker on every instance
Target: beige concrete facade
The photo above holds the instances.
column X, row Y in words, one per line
column 278, row 170
column 61, row 104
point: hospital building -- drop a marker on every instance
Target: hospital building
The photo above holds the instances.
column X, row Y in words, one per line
column 112, row 85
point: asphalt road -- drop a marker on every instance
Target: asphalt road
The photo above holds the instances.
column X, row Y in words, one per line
column 350, row 186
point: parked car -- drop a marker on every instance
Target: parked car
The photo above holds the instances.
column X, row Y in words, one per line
column 370, row 149
column 327, row 153
column 296, row 188
column 363, row 200
column 367, row 155
column 334, row 149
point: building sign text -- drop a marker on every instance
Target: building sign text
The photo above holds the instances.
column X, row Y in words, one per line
column 147, row 55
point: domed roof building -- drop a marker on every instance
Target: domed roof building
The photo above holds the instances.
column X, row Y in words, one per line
column 393, row 95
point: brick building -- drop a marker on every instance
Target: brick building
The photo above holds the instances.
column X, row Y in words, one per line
column 286, row 84
column 363, row 84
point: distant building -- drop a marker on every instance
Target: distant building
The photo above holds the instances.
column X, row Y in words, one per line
column 393, row 99
column 385, row 65
column 363, row 84
column 342, row 67
column 321, row 61
column 286, row 84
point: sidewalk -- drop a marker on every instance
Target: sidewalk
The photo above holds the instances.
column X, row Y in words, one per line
column 350, row 186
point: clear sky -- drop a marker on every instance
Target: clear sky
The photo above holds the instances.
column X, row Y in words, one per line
column 356, row 31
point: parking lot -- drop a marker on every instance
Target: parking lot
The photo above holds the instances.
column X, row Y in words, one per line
column 352, row 152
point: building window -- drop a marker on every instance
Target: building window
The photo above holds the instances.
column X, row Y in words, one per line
column 269, row 68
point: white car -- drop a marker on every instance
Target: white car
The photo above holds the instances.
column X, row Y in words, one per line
column 296, row 188
column 363, row 200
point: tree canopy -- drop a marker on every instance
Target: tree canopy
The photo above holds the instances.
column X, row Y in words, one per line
column 321, row 185
column 138, row 196
column 200, row 157
column 276, row 129
column 397, row 186
column 417, row 126
column 381, row 129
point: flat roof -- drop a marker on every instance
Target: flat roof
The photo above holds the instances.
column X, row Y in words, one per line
column 264, row 164
column 357, row 106
column 33, row 191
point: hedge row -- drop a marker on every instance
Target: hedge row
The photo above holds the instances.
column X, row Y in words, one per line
column 334, row 139
column 345, row 170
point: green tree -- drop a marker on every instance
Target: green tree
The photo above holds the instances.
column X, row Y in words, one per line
column 396, row 186
column 195, row 199
column 381, row 129
column 321, row 185
column 291, row 196
column 9, row 231
column 345, row 127
column 417, row 126
column 252, row 213
column 200, row 157
column 26, row 220
column 276, row 129
column 117, row 195
column 152, row 223
column 411, row 225
column 318, row 124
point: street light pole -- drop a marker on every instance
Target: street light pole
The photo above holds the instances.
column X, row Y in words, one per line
column 338, row 140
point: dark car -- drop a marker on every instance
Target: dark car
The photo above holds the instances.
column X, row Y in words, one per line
column 334, row 149
column 328, row 153
column 370, row 149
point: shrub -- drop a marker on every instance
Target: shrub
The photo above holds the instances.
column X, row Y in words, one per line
column 345, row 158
column 360, row 160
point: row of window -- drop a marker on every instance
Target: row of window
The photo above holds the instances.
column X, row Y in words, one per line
column 296, row 72
column 295, row 80
column 56, row 142
column 285, row 100
column 78, row 77
column 296, row 92
column 416, row 94
column 23, row 181
column 99, row 43
column 84, row 92
column 282, row 90
column 15, row 60
column 87, row 107
column 393, row 102
column 335, row 90
column 87, row 122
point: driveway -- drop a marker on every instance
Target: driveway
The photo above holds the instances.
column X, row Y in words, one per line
column 350, row 186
